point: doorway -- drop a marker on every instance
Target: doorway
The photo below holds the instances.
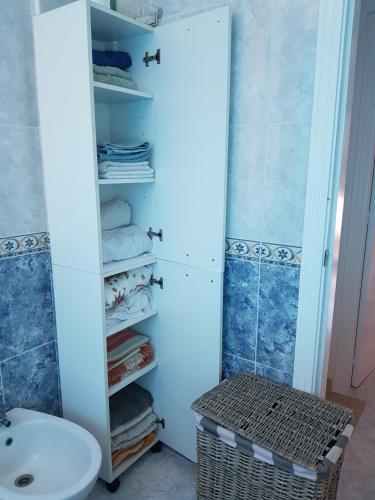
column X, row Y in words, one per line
column 352, row 351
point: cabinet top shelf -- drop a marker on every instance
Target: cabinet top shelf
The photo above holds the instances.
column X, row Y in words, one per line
column 108, row 25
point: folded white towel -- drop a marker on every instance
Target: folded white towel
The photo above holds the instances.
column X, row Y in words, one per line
column 115, row 213
column 128, row 175
column 124, row 243
column 106, row 166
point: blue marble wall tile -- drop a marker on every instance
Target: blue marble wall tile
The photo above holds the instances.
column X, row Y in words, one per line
column 21, row 189
column 240, row 307
column 234, row 364
column 271, row 373
column 26, row 303
column 292, row 60
column 30, row 380
column 18, row 105
column 278, row 304
column 284, row 189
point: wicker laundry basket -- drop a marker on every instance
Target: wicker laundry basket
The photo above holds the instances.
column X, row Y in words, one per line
column 258, row 439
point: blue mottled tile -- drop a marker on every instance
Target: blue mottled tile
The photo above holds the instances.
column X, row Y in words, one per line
column 240, row 307
column 271, row 373
column 292, row 60
column 18, row 105
column 234, row 364
column 30, row 380
column 278, row 303
column 26, row 303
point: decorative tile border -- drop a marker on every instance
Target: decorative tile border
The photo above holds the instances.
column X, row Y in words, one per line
column 265, row 252
column 26, row 243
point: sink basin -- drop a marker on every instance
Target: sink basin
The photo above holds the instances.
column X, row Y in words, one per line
column 46, row 458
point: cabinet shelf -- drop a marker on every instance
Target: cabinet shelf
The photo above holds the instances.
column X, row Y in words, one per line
column 132, row 378
column 112, row 94
column 131, row 460
column 108, row 25
column 125, row 181
column 126, row 265
column 121, row 325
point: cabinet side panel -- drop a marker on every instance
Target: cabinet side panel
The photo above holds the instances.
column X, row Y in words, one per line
column 63, row 68
column 82, row 353
column 186, row 335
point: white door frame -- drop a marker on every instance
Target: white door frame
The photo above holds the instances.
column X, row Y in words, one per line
column 337, row 31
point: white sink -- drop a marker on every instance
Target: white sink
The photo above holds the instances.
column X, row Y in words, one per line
column 61, row 459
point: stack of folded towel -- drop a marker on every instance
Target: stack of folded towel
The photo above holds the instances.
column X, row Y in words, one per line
column 120, row 239
column 133, row 423
column 116, row 161
column 111, row 67
column 128, row 295
column 127, row 352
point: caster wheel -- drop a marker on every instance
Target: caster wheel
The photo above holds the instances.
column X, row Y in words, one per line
column 157, row 447
column 114, row 486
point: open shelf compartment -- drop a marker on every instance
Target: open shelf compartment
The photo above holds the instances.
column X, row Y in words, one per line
column 132, row 378
column 108, row 25
column 112, row 94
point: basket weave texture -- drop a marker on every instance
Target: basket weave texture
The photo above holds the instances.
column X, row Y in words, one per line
column 225, row 473
column 293, row 424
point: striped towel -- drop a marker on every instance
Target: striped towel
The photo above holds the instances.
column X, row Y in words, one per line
column 122, row 344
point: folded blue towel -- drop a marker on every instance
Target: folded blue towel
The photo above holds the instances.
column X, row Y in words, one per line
column 113, row 58
column 123, row 153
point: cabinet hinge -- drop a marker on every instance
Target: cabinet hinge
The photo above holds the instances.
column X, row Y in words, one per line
column 161, row 421
column 154, row 281
column 152, row 233
column 147, row 58
column 326, row 257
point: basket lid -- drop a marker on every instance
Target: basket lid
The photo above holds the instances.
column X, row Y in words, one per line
column 297, row 426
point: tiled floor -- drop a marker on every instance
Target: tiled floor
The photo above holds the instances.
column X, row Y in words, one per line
column 161, row 476
column 168, row 476
column 358, row 473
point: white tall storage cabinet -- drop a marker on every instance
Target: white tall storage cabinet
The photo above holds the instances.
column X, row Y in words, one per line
column 182, row 110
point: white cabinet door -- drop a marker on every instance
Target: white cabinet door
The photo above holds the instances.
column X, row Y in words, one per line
column 187, row 124
column 186, row 335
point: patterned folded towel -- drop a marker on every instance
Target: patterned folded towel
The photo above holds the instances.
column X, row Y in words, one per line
column 131, row 365
column 119, row 456
column 123, row 343
column 119, row 287
column 136, row 433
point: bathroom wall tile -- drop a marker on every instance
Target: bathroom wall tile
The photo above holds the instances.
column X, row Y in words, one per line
column 247, row 153
column 234, row 364
column 240, row 307
column 271, row 373
column 278, row 303
column 250, row 62
column 21, row 192
column 26, row 303
column 18, row 104
column 285, row 183
column 30, row 380
column 292, row 60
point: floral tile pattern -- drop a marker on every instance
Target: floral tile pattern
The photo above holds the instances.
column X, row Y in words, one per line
column 30, row 380
column 27, row 243
column 266, row 252
column 240, row 307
